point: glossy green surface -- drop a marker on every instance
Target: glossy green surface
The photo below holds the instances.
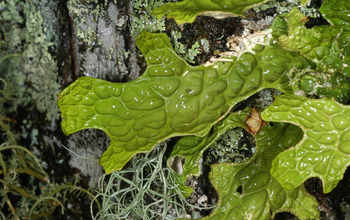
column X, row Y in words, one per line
column 172, row 98
column 187, row 10
column 337, row 13
column 319, row 43
column 191, row 148
column 325, row 45
column 324, row 151
column 262, row 196
column 321, row 84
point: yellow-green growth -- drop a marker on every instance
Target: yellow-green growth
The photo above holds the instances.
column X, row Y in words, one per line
column 318, row 43
column 187, row 10
column 191, row 148
column 248, row 190
column 171, row 98
column 324, row 151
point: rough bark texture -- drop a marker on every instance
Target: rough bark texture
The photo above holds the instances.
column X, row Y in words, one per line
column 106, row 61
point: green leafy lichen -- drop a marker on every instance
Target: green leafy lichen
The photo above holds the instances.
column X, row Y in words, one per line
column 191, row 148
column 257, row 185
column 252, row 176
column 326, row 46
column 320, row 84
column 186, row 11
column 171, row 98
column 324, row 149
column 318, row 43
column 337, row 13
column 175, row 99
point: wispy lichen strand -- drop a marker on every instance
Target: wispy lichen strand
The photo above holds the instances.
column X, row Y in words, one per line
column 324, row 151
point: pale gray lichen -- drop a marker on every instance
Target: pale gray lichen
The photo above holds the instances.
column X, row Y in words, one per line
column 142, row 19
column 229, row 147
column 284, row 7
column 111, row 50
column 204, row 43
column 123, row 55
column 77, row 11
column 51, row 23
column 181, row 49
column 33, row 75
column 89, row 37
column 12, row 84
column 38, row 66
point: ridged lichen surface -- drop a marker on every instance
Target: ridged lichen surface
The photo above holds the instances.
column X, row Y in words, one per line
column 171, row 98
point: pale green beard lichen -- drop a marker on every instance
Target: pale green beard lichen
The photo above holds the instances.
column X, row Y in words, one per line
column 144, row 180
